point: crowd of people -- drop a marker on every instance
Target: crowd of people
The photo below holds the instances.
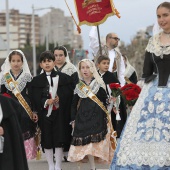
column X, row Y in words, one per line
column 71, row 106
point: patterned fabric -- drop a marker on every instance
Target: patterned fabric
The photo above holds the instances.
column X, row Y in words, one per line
column 69, row 69
column 145, row 141
column 154, row 46
column 94, row 86
column 102, row 150
column 30, row 148
column 22, row 81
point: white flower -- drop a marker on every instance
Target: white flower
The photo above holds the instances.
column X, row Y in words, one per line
column 149, row 134
column 144, row 113
column 149, row 123
column 166, row 113
column 166, row 134
column 158, row 96
column 158, row 123
column 140, row 125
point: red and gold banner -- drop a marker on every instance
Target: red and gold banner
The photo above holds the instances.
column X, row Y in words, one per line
column 94, row 12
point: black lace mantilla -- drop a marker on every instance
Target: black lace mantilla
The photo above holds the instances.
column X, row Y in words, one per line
column 77, row 141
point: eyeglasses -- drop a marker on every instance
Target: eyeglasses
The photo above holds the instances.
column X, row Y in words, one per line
column 115, row 38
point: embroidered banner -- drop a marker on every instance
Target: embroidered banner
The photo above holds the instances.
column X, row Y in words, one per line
column 94, row 12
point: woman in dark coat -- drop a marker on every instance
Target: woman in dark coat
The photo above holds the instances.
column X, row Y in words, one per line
column 13, row 156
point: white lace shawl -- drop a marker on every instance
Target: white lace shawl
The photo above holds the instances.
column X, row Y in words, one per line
column 94, row 86
column 21, row 81
column 23, row 78
column 69, row 69
column 154, row 46
column 129, row 70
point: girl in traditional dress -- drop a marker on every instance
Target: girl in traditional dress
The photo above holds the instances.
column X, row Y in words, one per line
column 91, row 133
column 15, row 69
column 130, row 72
column 145, row 141
column 64, row 65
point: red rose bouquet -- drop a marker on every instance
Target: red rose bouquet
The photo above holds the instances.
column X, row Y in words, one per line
column 130, row 93
column 116, row 92
column 115, row 88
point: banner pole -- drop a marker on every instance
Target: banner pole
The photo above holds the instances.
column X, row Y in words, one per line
column 100, row 48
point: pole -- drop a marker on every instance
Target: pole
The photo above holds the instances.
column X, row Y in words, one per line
column 47, row 36
column 47, row 41
column 7, row 27
column 100, row 48
column 33, row 43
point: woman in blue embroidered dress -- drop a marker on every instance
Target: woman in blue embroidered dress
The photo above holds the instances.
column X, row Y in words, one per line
column 145, row 140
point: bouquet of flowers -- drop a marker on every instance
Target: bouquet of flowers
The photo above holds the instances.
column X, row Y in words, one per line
column 116, row 92
column 131, row 93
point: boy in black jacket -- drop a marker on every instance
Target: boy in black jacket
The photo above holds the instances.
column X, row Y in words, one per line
column 108, row 77
column 51, row 94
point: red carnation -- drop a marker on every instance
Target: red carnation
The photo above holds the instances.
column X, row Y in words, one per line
column 115, row 88
column 131, row 93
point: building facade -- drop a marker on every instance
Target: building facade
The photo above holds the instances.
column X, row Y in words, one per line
column 53, row 27
column 58, row 29
column 20, row 27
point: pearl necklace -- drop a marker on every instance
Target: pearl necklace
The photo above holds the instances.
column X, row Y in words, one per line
column 167, row 34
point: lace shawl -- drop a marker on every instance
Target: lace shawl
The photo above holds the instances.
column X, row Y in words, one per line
column 154, row 46
column 94, row 86
column 69, row 69
column 21, row 81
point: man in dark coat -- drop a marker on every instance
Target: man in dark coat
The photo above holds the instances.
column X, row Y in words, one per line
column 13, row 156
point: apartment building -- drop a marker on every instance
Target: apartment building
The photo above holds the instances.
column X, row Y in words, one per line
column 20, row 27
column 58, row 29
column 53, row 27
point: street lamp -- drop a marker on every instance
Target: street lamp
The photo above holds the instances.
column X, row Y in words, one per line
column 7, row 27
column 33, row 34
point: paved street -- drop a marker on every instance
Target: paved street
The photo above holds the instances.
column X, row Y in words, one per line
column 42, row 165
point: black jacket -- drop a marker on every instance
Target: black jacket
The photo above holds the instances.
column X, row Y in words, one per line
column 155, row 66
column 13, row 156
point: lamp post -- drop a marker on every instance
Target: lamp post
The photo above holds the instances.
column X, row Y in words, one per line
column 33, row 38
column 7, row 27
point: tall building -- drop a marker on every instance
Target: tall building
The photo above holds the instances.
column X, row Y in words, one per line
column 20, row 28
column 58, row 29
column 53, row 27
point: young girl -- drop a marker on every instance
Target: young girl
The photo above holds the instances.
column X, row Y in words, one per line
column 91, row 133
column 64, row 65
column 15, row 69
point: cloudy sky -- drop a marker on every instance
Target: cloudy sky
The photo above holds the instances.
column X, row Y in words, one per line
column 135, row 15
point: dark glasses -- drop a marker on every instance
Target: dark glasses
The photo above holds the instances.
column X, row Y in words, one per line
column 115, row 38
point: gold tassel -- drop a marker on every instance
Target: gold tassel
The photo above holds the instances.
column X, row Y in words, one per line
column 117, row 13
column 38, row 157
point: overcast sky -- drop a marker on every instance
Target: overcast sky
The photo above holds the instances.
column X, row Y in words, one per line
column 135, row 15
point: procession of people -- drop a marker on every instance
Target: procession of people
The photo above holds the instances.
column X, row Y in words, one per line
column 80, row 112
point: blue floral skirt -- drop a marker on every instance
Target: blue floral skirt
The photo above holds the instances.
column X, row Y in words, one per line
column 145, row 140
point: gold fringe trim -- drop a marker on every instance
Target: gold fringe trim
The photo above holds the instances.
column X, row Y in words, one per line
column 114, row 12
